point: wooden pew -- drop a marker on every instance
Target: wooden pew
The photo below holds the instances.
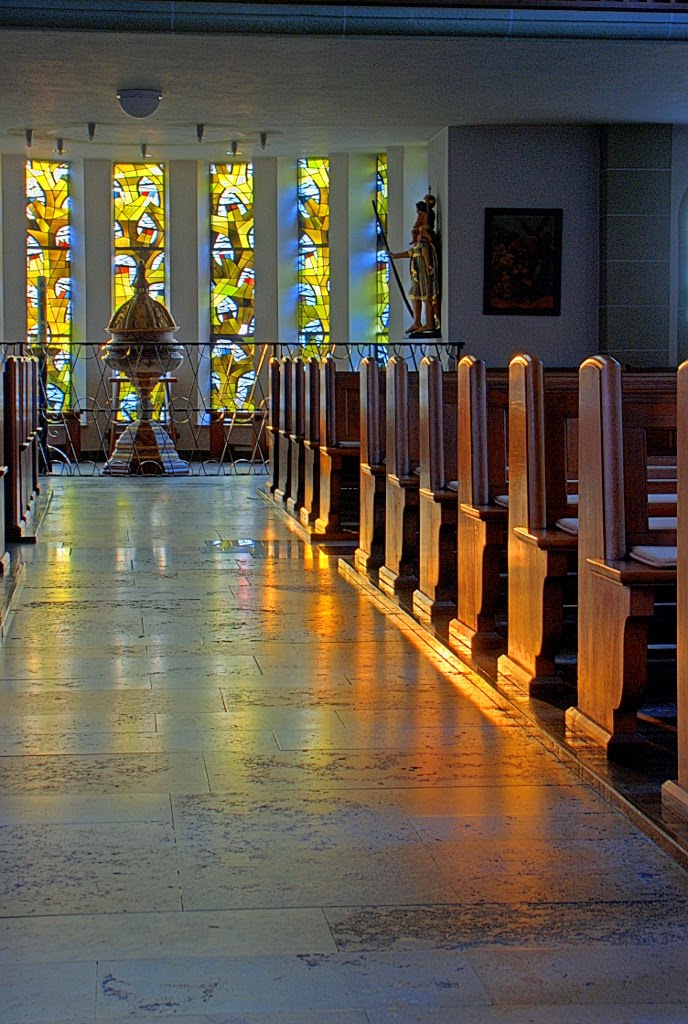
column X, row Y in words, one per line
column 282, row 490
column 399, row 574
column 434, row 600
column 370, row 553
column 310, row 508
column 543, row 414
column 675, row 792
column 297, row 451
column 482, row 521
column 21, row 434
column 4, row 556
column 616, row 585
column 339, row 452
column 272, row 427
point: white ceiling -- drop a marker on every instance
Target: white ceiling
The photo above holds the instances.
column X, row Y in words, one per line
column 318, row 95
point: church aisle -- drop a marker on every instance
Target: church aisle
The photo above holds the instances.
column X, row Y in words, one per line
column 233, row 791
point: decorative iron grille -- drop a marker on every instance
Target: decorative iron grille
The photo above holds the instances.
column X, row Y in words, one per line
column 79, row 437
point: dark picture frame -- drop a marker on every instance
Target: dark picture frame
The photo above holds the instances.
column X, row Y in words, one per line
column 522, row 262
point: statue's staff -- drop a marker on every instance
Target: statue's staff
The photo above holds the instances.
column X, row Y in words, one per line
column 391, row 261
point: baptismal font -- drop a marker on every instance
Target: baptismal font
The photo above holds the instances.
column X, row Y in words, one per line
column 143, row 349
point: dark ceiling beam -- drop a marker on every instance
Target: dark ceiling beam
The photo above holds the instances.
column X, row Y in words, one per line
column 601, row 19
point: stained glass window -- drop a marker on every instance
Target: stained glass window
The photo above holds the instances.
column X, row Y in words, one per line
column 48, row 255
column 139, row 219
column 314, row 254
column 232, row 308
column 382, row 274
column 139, row 197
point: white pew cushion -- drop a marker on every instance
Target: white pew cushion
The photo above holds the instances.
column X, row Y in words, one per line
column 660, row 557
column 662, row 522
column 568, row 524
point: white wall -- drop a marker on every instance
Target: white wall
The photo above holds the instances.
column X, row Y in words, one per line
column 475, row 168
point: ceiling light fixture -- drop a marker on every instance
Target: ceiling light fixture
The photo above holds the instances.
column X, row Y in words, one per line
column 91, row 131
column 144, row 151
column 233, row 148
column 139, row 102
column 59, row 144
column 263, row 140
column 200, row 129
column 29, row 137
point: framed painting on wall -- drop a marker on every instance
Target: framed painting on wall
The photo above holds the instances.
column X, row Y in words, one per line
column 522, row 262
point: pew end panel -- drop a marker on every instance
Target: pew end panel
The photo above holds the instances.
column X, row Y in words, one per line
column 481, row 524
column 273, row 426
column 541, row 557
column 339, row 453
column 675, row 792
column 370, row 553
column 310, row 509
column 21, row 439
column 617, row 593
column 297, row 448
column 399, row 574
column 283, row 488
column 434, row 600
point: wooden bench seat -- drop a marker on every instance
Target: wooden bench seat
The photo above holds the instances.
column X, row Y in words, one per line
column 370, row 553
column 620, row 421
column 399, row 574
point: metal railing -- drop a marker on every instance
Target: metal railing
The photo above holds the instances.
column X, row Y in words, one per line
column 79, row 434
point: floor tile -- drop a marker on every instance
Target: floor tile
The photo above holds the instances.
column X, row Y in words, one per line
column 30, row 993
column 72, row 869
column 109, row 773
column 571, row 1014
column 615, row 975
column 483, row 925
column 433, row 771
column 59, row 939
column 80, row 808
column 309, row 983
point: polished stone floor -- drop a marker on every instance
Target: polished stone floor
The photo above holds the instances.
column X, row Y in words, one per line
column 234, row 790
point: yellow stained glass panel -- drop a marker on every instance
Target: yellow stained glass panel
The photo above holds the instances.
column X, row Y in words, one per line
column 232, row 281
column 314, row 255
column 139, row 234
column 48, row 255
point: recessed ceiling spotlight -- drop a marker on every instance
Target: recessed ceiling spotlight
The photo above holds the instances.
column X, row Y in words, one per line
column 139, row 102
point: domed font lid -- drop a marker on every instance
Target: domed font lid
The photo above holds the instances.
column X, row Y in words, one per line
column 141, row 312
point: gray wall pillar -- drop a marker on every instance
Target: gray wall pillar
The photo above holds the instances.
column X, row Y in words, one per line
column 635, row 280
column 14, row 249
